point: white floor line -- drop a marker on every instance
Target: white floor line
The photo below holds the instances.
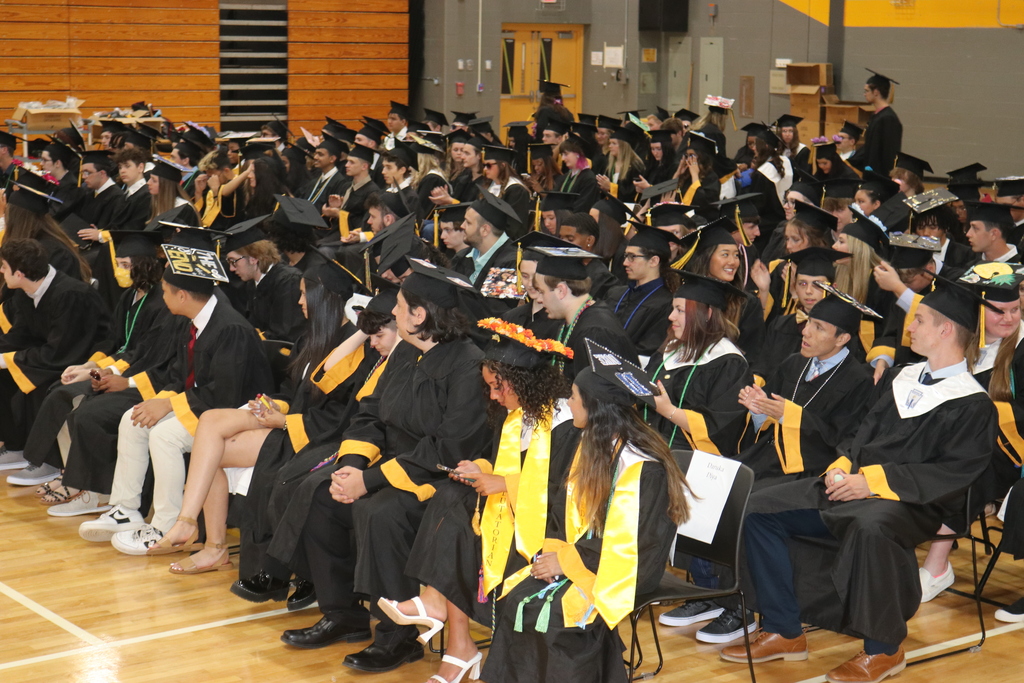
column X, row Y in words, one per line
column 54, row 619
column 100, row 645
column 948, row 645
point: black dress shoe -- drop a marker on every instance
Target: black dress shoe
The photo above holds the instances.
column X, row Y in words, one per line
column 376, row 659
column 303, row 597
column 325, row 632
column 260, row 588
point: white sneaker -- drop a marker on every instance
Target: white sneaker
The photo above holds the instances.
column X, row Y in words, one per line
column 1012, row 614
column 88, row 503
column 33, row 475
column 12, row 460
column 136, row 542
column 931, row 586
column 109, row 523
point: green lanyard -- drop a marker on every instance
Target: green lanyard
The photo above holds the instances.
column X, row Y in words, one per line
column 570, row 177
column 128, row 329
column 566, row 331
column 686, row 385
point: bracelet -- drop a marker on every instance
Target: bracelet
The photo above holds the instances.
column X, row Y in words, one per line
column 285, row 427
column 669, row 418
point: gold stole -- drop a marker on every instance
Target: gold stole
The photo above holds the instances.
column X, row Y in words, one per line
column 499, row 523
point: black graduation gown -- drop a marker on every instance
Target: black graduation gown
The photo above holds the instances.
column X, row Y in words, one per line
column 602, row 280
column 769, row 208
column 751, row 327
column 43, row 340
column 883, row 140
column 70, row 194
column 355, row 205
column 447, row 553
column 61, row 257
column 539, row 323
column 426, row 186
column 867, row 585
column 701, row 196
column 518, row 197
column 643, row 312
column 542, row 116
column 599, row 324
column 465, row 188
column 583, row 184
column 624, row 188
column 894, row 214
column 274, row 304
column 802, row 160
column 318, row 192
column 576, row 655
column 958, row 257
column 821, row 419
column 104, row 210
column 715, row 133
column 504, row 257
column 716, row 417
column 783, row 336
column 890, row 342
column 135, row 211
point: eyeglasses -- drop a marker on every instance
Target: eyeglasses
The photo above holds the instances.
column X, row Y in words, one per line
column 490, row 164
column 232, row 261
column 629, row 258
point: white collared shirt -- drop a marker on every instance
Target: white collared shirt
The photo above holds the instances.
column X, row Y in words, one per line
column 1012, row 253
column 260, row 276
column 37, row 295
column 103, row 188
column 136, row 186
column 202, row 319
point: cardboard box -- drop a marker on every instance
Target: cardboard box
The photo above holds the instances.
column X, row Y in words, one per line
column 47, row 120
column 854, row 112
column 809, row 128
column 808, row 73
column 156, row 124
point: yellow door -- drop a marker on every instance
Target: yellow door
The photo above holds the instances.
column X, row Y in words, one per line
column 534, row 52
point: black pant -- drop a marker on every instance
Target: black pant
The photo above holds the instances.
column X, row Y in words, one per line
column 41, row 446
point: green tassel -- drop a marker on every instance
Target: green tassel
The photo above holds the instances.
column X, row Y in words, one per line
column 518, row 628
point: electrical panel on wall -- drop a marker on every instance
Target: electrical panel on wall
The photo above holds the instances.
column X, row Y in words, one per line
column 665, row 15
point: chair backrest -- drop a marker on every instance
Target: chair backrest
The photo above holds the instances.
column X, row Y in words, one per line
column 724, row 548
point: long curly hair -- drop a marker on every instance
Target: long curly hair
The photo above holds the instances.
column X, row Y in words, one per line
column 536, row 388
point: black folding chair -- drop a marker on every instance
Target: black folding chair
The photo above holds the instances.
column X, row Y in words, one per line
column 723, row 550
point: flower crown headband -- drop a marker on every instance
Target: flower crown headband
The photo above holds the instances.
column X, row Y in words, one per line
column 524, row 336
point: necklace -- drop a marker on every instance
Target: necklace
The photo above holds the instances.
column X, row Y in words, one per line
column 803, row 373
column 128, row 329
column 566, row 331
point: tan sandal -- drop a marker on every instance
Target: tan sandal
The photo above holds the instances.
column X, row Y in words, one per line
column 188, row 565
column 165, row 547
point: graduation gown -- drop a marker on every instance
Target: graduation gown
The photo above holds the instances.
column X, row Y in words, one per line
column 355, row 204
column 539, row 323
column 643, row 312
column 593, row 653
column 821, row 418
column 894, row 214
column 919, row 447
column 883, row 140
column 894, row 341
column 504, row 257
column 310, row 260
column 318, row 191
column 518, row 197
column 700, row 195
column 426, row 186
column 465, row 188
column 104, row 209
column 958, row 256
column 602, row 280
column 802, row 159
column 706, row 392
column 583, row 184
column 136, row 209
column 61, row 257
column 783, row 336
column 751, row 327
column 599, row 324
column 70, row 194
column 274, row 304
column 447, row 553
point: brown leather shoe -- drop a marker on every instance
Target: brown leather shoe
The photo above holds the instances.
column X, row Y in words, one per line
column 766, row 647
column 865, row 668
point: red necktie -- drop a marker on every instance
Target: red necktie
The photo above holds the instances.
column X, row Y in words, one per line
column 190, row 381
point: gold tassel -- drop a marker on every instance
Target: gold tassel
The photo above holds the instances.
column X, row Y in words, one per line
column 739, row 226
column 366, row 260
column 536, row 216
column 519, row 274
column 476, row 516
column 981, row 324
column 685, row 258
column 732, row 115
column 437, row 229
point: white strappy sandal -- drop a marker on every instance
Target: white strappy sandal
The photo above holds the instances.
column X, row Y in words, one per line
column 390, row 608
column 472, row 666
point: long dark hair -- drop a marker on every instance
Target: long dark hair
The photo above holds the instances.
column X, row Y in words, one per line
column 608, row 424
column 146, row 272
column 323, row 330
column 297, row 174
column 260, row 200
column 536, row 388
column 22, row 223
column 700, row 264
column 701, row 331
column 441, row 324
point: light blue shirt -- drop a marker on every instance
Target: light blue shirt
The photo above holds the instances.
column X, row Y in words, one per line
column 480, row 260
column 817, row 367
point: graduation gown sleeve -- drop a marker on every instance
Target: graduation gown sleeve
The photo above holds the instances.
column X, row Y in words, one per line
column 583, row 184
column 518, row 197
column 427, row 185
column 883, row 140
column 701, row 194
column 275, row 309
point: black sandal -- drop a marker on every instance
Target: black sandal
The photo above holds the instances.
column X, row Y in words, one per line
column 58, row 496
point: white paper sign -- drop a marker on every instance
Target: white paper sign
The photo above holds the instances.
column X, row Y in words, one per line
column 710, row 478
column 613, row 57
column 597, row 59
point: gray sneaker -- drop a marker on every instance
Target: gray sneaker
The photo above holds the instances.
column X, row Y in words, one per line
column 12, row 460
column 85, row 503
column 33, row 475
column 693, row 612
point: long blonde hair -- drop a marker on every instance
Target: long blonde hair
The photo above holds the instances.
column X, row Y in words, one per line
column 624, row 161
column 165, row 197
column 999, row 384
column 854, row 276
column 425, row 164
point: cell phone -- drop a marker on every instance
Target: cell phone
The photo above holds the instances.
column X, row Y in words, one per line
column 265, row 401
column 95, row 374
column 458, row 474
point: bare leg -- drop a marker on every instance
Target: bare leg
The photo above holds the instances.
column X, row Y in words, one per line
column 224, row 438
column 938, row 554
column 216, row 510
column 435, row 604
column 460, row 642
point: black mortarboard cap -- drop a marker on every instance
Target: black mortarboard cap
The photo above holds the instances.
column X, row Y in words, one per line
column 707, row 290
column 73, row 135
column 817, row 261
column 398, row 245
column 746, row 203
column 878, row 75
column 404, row 152
column 787, row 121
column 385, row 296
column 701, row 143
column 627, row 134
column 557, row 126
column 335, row 278
column 839, row 312
column 653, row 239
column 608, row 122
column 955, row 301
column 990, row 212
column 1010, row 186
column 613, row 207
column 966, row 174
column 297, row 214
column 190, row 150
column 256, row 150
column 881, row 185
column 668, row 213
column 135, row 243
column 826, row 150
column 587, row 118
column 492, row 153
column 549, row 88
column 760, row 130
column 459, row 135
column 394, row 203
column 61, row 152
column 245, row 233
column 402, row 110
column 841, row 188
column 30, row 199
column 463, row 117
column 852, row 129
column 435, row 117
column 452, row 213
column 687, row 115
column 8, row 140
column 496, row 211
column 613, row 379
column 911, row 163
column 439, row 285
column 113, row 126
column 197, row 238
column 102, row 156
column 179, row 215
column 278, row 127
column 816, row 218
column 331, row 144
column 482, row 125
column 540, row 150
column 867, row 231
column 655, row 191
column 34, row 181
column 564, row 263
column 663, row 137
column 715, row 233
column 558, row 201
column 662, row 113
column 137, row 139
column 362, row 152
column 911, row 251
column 162, row 169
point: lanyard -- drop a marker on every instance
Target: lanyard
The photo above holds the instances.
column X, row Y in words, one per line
column 679, row 403
column 571, row 177
column 128, row 329
column 566, row 331
column 637, row 307
column 319, row 188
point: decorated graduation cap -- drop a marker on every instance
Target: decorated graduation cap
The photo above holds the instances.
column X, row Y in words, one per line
column 135, row 243
column 662, row 188
column 439, row 285
column 653, row 239
column 787, row 121
column 883, row 186
column 840, row 309
column 760, row 130
column 613, row 379
column 435, row 117
column 512, row 344
column 335, row 278
column 496, row 211
column 817, row 218
column 162, row 169
column 701, row 143
column 912, row 251
column 928, row 200
column 718, row 104
column 245, row 233
column 31, row 199
column 297, row 215
column 1010, row 186
column 852, row 129
column 192, row 269
column 706, row 290
column 558, row 201
column 913, row 164
column 179, row 215
column 613, row 207
column 668, row 213
column 994, row 281
column 563, row 263
column 990, row 212
column 817, row 261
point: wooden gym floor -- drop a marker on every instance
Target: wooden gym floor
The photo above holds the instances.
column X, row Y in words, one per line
column 77, row 611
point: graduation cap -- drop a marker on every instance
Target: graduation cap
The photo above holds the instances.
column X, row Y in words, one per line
column 452, row 213
column 1010, row 186
column 716, row 233
column 135, row 243
column 439, row 285
column 331, row 126
column 492, row 153
column 426, row 142
column 628, row 134
column 255, row 150
column 668, row 213
column 557, row 126
column 362, row 152
column 458, row 135
column 463, row 117
column 912, row 164
column 532, row 240
column 179, row 215
column 8, row 140
column 404, row 152
column 30, row 199
column 852, row 129
column 512, row 344
column 74, row 137
column 687, row 115
column 245, row 233
column 587, row 131
column 277, row 127
column 706, row 290
column 540, row 150
column 994, row 281
column 661, row 113
column 614, row 208
column 549, row 88
column 760, row 130
column 61, row 152
column 841, row 188
column 635, row 113
column 558, row 201
column 335, row 278
column 958, row 303
column 435, row 117
column 966, row 174
column 787, row 121
column 197, row 238
column 840, row 309
column 881, row 185
column 964, row 182
column 192, row 269
column 401, row 110
column 162, row 169
column 394, row 203
column 740, row 209
column 237, row 137
column 331, row 144
column 613, row 379
column 701, row 143
column 102, row 157
column 655, row 191
column 931, row 199
column 826, row 150
column 817, row 261
column 137, row 139
column 496, row 211
column 912, row 251
column 482, row 125
column 991, row 212
column 818, row 219
column 718, row 104
column 588, row 118
column 113, row 126
column 564, row 263
column 608, row 122
column 34, row 181
column 868, row 232
column 190, row 150
column 653, row 239
column 398, row 245
column 662, row 137
column 385, row 296
column 876, row 75
column 297, row 215
column 372, row 132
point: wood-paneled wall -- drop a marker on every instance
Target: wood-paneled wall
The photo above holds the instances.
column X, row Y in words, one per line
column 112, row 53
column 346, row 59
